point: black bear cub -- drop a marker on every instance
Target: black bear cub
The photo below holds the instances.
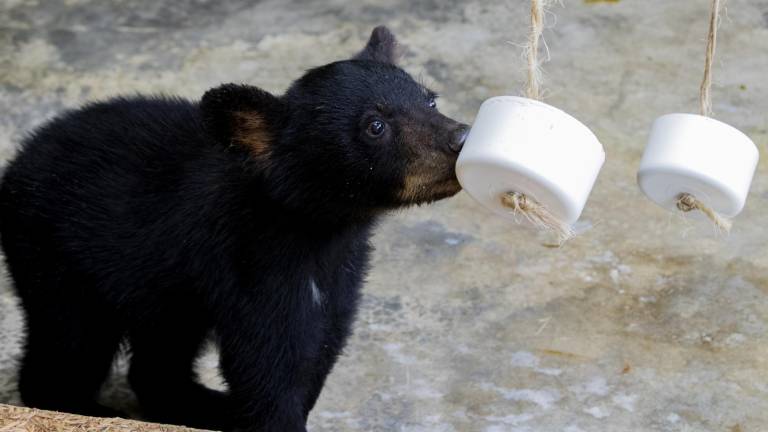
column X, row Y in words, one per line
column 159, row 221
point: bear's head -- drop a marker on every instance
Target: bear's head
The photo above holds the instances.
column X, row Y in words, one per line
column 350, row 138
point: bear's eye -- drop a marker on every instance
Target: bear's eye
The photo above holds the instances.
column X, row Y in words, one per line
column 433, row 103
column 376, row 128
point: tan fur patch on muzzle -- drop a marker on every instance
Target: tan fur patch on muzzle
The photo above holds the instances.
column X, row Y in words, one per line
column 421, row 187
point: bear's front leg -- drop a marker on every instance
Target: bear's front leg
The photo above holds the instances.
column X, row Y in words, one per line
column 269, row 340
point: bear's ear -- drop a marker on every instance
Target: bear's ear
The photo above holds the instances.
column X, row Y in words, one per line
column 243, row 115
column 382, row 47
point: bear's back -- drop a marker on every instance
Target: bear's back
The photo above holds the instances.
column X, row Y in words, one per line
column 127, row 137
column 118, row 178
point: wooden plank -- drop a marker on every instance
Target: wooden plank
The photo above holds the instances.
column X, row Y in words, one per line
column 20, row 419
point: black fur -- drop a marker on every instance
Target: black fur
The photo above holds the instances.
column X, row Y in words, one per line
column 159, row 221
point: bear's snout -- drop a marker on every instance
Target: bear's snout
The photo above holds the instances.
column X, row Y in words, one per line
column 459, row 137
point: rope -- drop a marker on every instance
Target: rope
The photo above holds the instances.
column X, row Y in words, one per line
column 705, row 97
column 687, row 202
column 533, row 90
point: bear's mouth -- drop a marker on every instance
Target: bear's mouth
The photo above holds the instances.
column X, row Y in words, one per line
column 446, row 189
column 421, row 188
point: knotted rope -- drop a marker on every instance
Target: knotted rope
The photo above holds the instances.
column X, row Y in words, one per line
column 685, row 201
column 519, row 203
column 537, row 215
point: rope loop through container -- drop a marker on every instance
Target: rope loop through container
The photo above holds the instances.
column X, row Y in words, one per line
column 687, row 202
column 517, row 202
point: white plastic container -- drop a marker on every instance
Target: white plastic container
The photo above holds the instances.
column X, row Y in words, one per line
column 688, row 153
column 523, row 145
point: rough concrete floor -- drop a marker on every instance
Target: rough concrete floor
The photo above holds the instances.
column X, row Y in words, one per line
column 646, row 322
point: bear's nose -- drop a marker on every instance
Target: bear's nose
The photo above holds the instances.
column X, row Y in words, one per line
column 458, row 141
